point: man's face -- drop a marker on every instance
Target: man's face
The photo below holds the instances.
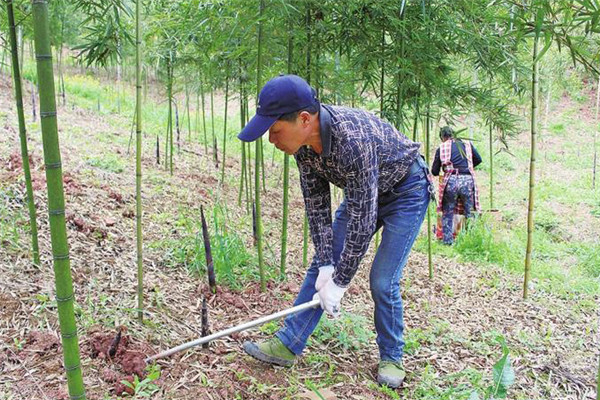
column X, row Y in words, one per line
column 289, row 136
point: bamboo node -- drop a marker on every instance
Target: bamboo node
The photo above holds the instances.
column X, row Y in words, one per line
column 61, row 257
column 46, row 114
column 57, row 212
column 63, row 299
column 73, row 367
column 68, row 335
column 42, row 56
column 54, row 165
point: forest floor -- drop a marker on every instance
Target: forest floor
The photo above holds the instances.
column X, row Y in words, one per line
column 453, row 321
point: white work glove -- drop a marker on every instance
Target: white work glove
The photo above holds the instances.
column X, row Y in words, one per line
column 330, row 297
column 325, row 273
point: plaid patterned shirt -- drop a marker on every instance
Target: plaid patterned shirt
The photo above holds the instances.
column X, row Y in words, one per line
column 365, row 156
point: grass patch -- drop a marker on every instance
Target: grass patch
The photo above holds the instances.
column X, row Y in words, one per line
column 109, row 162
column 234, row 264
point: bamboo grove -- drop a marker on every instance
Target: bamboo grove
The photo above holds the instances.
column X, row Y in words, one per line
column 414, row 62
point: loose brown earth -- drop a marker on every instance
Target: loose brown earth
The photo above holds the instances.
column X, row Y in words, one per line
column 458, row 314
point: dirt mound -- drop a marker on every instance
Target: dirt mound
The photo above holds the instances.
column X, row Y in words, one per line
column 125, row 358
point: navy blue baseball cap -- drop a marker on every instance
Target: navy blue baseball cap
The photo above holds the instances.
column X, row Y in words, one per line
column 281, row 95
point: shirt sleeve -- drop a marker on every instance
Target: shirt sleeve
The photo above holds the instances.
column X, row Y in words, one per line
column 437, row 163
column 361, row 193
column 476, row 156
column 317, row 202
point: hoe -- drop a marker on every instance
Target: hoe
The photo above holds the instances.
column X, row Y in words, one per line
column 235, row 329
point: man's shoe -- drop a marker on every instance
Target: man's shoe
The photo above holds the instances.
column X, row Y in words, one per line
column 390, row 373
column 272, row 351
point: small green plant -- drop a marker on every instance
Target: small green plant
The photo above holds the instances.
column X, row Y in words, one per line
column 350, row 332
column 503, row 377
column 391, row 393
column 145, row 387
column 110, row 163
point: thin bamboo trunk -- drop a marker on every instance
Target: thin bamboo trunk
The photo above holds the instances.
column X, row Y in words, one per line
column 33, row 105
column 534, row 107
column 595, row 135
column 171, row 144
column 203, row 117
column 225, row 130
column 187, row 104
column 138, row 160
column 258, row 156
column 56, row 200
column 242, row 123
column 177, row 128
column 491, row 143
column 305, row 241
column 286, row 173
column 427, row 135
column 23, row 133
column 212, row 121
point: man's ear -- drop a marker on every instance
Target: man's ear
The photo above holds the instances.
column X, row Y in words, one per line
column 304, row 117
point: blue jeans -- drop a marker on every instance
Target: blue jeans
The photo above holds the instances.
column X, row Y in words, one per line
column 458, row 187
column 401, row 213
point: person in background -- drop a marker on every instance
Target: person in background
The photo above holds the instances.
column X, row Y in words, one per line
column 457, row 158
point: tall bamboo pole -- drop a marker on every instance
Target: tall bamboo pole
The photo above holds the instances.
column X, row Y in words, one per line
column 286, row 172
column 203, row 116
column 534, row 107
column 427, row 131
column 595, row 135
column 138, row 160
column 225, row 129
column 598, row 382
column 56, row 200
column 23, row 132
column 491, row 144
column 258, row 155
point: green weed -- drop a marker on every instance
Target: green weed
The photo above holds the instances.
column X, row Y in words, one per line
column 348, row 332
column 109, row 162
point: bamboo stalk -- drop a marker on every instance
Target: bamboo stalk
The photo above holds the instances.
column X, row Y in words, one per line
column 427, row 134
column 286, row 173
column 56, row 200
column 23, row 133
column 203, row 117
column 305, row 241
column 225, row 130
column 534, row 107
column 138, row 161
column 258, row 155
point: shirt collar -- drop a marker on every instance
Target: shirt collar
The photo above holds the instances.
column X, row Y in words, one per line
column 325, row 130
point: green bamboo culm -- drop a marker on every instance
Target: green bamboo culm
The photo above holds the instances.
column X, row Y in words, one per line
column 534, row 107
column 225, row 130
column 429, row 255
column 286, row 176
column 491, row 169
column 203, row 117
column 56, row 200
column 491, row 144
column 138, row 160
column 258, row 156
column 598, row 382
column 23, row 132
column 305, row 241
